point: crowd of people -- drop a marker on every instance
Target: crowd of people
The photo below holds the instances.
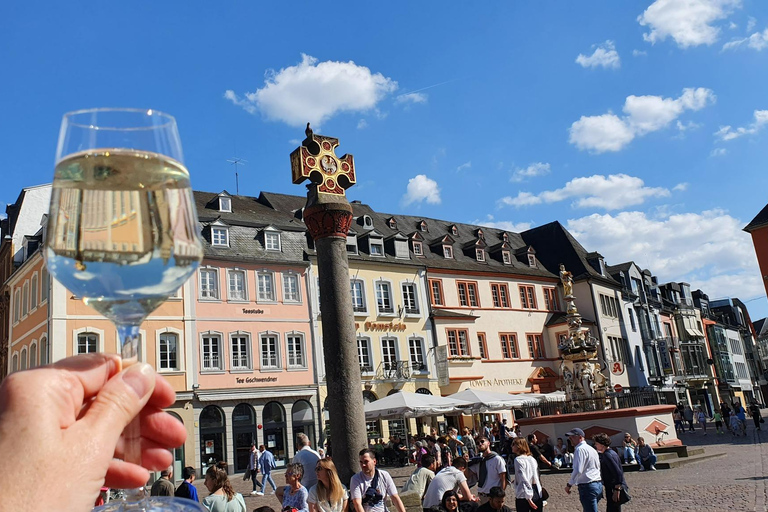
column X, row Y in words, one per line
column 727, row 418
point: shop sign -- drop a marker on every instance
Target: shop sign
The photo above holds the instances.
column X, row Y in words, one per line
column 617, row 368
column 486, row 383
column 253, row 380
column 441, row 354
column 664, row 360
column 384, row 326
column 255, row 311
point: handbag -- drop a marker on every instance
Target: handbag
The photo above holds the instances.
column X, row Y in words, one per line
column 247, row 474
column 544, row 494
column 624, row 496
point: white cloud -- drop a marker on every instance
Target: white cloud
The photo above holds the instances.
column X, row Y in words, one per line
column 644, row 114
column 533, row 170
column 421, row 188
column 362, row 124
column 751, row 22
column 315, row 91
column 605, row 55
column 708, row 249
column 294, row 142
column 732, row 26
column 718, row 152
column 680, row 187
column 688, row 22
column 612, row 192
column 757, row 41
column 505, row 225
column 729, row 133
column 690, row 125
column 638, row 53
column 411, row 97
column 465, row 166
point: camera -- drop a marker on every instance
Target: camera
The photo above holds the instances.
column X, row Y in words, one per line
column 372, row 497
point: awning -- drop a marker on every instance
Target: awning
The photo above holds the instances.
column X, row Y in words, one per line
column 693, row 332
column 412, row 405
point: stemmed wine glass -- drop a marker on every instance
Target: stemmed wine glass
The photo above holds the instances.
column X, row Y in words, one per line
column 122, row 231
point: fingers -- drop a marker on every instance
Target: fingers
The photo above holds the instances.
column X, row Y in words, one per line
column 92, row 371
column 123, row 475
column 158, row 429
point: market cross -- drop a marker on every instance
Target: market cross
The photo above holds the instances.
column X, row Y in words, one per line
column 316, row 160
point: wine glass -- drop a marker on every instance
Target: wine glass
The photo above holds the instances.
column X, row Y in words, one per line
column 122, row 231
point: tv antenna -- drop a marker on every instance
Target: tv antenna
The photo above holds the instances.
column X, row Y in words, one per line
column 237, row 161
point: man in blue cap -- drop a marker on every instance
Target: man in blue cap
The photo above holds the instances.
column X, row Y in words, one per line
column 586, row 471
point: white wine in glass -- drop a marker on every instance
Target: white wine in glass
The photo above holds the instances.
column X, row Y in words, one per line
column 122, row 232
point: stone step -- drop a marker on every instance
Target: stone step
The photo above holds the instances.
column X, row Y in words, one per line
column 695, row 458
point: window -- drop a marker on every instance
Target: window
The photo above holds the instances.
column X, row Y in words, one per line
column 550, row 299
column 291, row 291
column 239, row 344
column 481, row 344
column 480, row 234
column 367, row 221
column 270, row 359
column 15, row 363
column 392, row 224
column 209, row 284
column 418, row 250
column 467, row 294
column 454, row 231
column 212, row 352
column 44, row 283
column 44, row 359
column 87, row 343
column 376, row 246
column 620, row 350
column 457, row 342
column 33, row 292
column 448, row 251
column 416, row 350
column 401, row 249
column 225, row 204
column 237, row 288
column 389, row 352
column 410, row 301
column 33, row 356
column 25, row 300
column 535, row 346
column 609, row 306
column 480, row 254
column 169, row 351
column 500, row 294
column 527, row 297
column 531, row 260
column 16, row 305
column 271, row 241
column 506, row 257
column 220, row 237
column 436, row 292
column 384, row 298
column 351, row 244
column 423, row 226
column 296, row 351
column 358, row 296
column 266, row 286
column 364, row 354
column 632, row 320
column 509, row 346
column 24, row 360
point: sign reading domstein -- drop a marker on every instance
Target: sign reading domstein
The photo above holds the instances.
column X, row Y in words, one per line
column 486, row 383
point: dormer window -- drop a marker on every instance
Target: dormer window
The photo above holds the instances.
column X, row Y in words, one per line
column 225, row 204
column 423, row 226
column 418, row 249
column 448, row 251
column 351, row 244
column 220, row 236
column 454, row 230
column 480, row 254
column 376, row 246
column 480, row 234
column 505, row 237
column 531, row 260
column 272, row 240
column 392, row 223
column 506, row 257
column 367, row 221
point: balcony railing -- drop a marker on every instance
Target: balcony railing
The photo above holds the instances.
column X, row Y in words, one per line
column 394, row 370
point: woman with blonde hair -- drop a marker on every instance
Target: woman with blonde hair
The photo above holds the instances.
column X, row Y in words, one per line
column 527, row 483
column 223, row 497
column 328, row 494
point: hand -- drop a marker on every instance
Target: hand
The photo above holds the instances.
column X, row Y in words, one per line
column 532, row 504
column 66, row 420
column 567, row 489
column 616, row 495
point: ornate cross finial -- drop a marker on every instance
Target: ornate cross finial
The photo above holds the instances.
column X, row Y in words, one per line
column 315, row 159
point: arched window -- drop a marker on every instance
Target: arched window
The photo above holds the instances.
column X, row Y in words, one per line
column 212, row 436
column 33, row 355
column 16, row 305
column 44, row 358
column 303, row 416
column 15, row 363
column 33, row 293
column 23, row 359
column 87, row 343
column 25, row 300
column 273, row 418
column 243, row 434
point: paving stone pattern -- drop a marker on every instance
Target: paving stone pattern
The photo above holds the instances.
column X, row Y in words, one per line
column 736, row 482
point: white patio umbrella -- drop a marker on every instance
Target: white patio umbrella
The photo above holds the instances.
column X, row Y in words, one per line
column 489, row 401
column 412, row 405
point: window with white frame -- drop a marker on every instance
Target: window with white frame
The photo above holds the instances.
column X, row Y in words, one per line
column 209, row 283
column 44, row 283
column 237, row 288
column 270, row 352
column 220, row 236
column 241, row 357
column 272, row 240
column 212, row 353
column 384, row 297
column 401, row 249
column 351, row 244
column 418, row 249
column 33, row 355
column 410, row 300
column 25, row 300
column 416, row 352
column 448, row 251
column 266, row 286
column 44, row 349
column 367, row 221
column 87, row 343
column 376, row 246
column 169, row 351
column 531, row 260
column 33, row 292
column 16, row 305
column 480, row 254
column 389, row 352
column 296, row 357
column 24, row 359
column 358, row 295
column 506, row 257
column 291, row 292
column 15, row 363
column 364, row 354
column 225, row 204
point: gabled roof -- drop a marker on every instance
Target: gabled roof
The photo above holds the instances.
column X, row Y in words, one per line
column 246, row 211
column 760, row 220
column 761, row 327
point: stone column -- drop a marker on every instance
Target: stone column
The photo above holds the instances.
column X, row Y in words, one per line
column 328, row 224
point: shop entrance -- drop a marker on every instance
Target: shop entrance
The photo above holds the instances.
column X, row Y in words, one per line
column 243, row 434
column 303, row 418
column 274, row 431
column 212, row 438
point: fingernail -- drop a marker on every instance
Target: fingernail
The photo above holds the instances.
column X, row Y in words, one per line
column 140, row 378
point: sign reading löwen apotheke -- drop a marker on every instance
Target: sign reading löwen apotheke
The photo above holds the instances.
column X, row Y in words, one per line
column 484, row 383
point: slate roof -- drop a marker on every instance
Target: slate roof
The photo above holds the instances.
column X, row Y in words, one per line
column 759, row 221
column 761, row 327
column 560, row 317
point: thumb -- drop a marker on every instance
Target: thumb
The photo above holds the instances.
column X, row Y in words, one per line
column 119, row 401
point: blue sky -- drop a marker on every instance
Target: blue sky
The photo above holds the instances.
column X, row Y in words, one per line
column 641, row 126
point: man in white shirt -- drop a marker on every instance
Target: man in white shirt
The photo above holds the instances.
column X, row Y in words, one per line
column 370, row 488
column 451, row 478
column 491, row 471
column 586, row 471
column 308, row 458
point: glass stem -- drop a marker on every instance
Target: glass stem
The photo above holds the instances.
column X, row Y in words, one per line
column 129, row 338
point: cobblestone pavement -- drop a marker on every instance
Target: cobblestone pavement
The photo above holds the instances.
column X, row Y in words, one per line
column 736, row 482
